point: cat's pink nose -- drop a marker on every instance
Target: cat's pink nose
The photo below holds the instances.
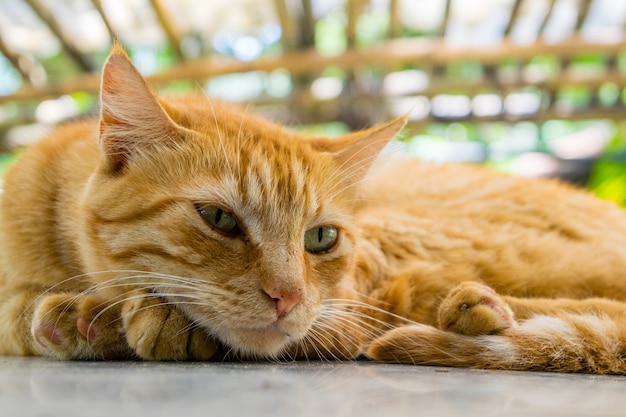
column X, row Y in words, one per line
column 285, row 300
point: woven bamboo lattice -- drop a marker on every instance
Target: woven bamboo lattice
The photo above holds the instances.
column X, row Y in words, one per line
column 356, row 61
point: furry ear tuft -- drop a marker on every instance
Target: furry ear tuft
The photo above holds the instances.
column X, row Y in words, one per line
column 355, row 152
column 131, row 115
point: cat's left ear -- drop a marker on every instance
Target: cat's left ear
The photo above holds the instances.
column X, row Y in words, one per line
column 355, row 152
column 131, row 118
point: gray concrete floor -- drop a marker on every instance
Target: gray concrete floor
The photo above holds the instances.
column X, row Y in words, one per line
column 39, row 387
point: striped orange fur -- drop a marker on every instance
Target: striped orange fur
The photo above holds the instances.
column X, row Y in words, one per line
column 185, row 228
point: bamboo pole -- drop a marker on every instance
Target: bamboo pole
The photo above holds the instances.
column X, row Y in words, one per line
column 446, row 18
column 307, row 35
column 97, row 4
column 354, row 12
column 395, row 25
column 546, row 18
column 513, row 17
column 395, row 52
column 583, row 11
column 288, row 38
column 441, row 85
column 21, row 64
column 44, row 14
column 167, row 25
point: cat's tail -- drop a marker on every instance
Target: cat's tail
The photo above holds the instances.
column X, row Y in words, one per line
column 565, row 343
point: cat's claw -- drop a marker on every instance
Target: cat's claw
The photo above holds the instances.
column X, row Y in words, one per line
column 472, row 308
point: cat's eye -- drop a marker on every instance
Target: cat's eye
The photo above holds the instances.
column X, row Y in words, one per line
column 320, row 239
column 220, row 219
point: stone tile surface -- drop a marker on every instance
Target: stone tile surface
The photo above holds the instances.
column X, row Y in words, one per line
column 40, row 387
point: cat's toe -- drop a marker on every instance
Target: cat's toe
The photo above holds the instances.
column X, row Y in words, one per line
column 472, row 308
column 49, row 337
column 201, row 346
column 74, row 326
column 157, row 331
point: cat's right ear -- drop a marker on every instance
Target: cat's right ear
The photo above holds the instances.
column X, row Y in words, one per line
column 354, row 153
column 131, row 117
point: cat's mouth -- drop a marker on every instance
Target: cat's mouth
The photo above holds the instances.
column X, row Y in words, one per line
column 273, row 329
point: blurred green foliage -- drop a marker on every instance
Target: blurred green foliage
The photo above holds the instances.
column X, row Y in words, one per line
column 332, row 129
column 608, row 178
column 330, row 34
column 6, row 160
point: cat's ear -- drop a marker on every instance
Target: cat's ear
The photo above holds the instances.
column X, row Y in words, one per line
column 131, row 116
column 355, row 152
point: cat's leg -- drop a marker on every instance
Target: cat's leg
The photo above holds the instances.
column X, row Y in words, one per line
column 157, row 330
column 562, row 343
column 564, row 335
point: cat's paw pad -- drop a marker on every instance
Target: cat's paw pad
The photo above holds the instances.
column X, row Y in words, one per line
column 472, row 308
column 158, row 331
column 78, row 326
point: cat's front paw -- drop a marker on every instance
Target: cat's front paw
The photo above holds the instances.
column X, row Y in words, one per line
column 157, row 330
column 472, row 308
column 78, row 326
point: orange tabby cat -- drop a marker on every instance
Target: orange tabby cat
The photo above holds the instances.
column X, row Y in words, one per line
column 182, row 228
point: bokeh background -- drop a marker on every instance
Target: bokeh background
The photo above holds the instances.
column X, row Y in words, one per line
column 530, row 87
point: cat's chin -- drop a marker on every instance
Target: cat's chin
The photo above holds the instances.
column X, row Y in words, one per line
column 264, row 342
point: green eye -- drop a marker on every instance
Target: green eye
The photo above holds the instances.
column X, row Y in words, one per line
column 320, row 239
column 220, row 219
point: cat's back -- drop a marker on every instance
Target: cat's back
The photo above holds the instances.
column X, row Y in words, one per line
column 480, row 205
column 465, row 189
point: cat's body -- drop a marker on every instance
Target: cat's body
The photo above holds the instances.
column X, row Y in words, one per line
column 197, row 231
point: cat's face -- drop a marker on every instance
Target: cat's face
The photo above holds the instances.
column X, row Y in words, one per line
column 244, row 226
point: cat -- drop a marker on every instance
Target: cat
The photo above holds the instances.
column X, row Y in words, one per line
column 183, row 228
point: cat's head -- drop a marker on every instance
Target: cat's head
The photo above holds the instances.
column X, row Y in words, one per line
column 244, row 225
